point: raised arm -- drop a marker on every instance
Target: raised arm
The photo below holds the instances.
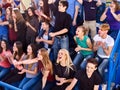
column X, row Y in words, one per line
column 103, row 17
column 98, row 3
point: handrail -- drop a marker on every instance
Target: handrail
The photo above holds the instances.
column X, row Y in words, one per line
column 113, row 61
column 9, row 86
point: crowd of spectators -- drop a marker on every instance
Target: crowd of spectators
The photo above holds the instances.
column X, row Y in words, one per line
column 57, row 44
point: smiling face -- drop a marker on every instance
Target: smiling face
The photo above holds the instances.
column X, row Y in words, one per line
column 8, row 11
column 112, row 5
column 3, row 44
column 30, row 13
column 90, row 68
column 61, row 8
column 29, row 50
column 61, row 56
column 15, row 49
column 79, row 32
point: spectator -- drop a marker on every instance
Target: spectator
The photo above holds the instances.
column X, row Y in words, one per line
column 112, row 16
column 31, row 70
column 44, row 40
column 18, row 55
column 90, row 9
column 62, row 26
column 19, row 27
column 4, row 62
column 32, row 26
column 45, row 67
column 64, row 70
column 103, row 44
column 83, row 49
column 89, row 79
column 3, row 28
column 12, row 36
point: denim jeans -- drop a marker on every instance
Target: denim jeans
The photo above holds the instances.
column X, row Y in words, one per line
column 103, row 65
column 60, row 43
column 81, row 60
column 3, row 72
column 27, row 83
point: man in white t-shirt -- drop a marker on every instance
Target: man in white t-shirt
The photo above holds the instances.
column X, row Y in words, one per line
column 103, row 44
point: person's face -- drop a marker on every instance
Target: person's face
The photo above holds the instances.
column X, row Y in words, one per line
column 3, row 44
column 79, row 32
column 7, row 11
column 39, row 55
column 41, row 3
column 112, row 5
column 15, row 49
column 29, row 50
column 13, row 14
column 90, row 68
column 61, row 55
column 30, row 13
column 102, row 33
column 61, row 8
column 44, row 26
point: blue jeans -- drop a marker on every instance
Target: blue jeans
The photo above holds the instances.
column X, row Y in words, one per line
column 27, row 83
column 3, row 71
column 103, row 64
column 81, row 60
column 60, row 43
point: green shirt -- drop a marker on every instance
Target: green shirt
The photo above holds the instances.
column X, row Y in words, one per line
column 83, row 44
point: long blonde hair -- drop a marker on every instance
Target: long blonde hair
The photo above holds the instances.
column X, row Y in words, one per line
column 46, row 60
column 68, row 60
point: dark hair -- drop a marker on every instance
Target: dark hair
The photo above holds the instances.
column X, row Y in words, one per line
column 19, row 46
column 7, row 46
column 1, row 10
column 28, row 18
column 64, row 3
column 93, row 61
column 46, row 22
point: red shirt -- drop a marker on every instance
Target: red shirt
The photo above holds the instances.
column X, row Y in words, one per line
column 5, row 63
column 50, row 76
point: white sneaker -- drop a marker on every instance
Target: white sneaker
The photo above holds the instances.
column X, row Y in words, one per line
column 104, row 86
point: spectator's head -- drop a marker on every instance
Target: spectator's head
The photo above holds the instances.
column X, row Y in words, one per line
column 16, row 14
column 64, row 59
column 31, row 51
column 9, row 11
column 43, row 55
column 63, row 5
column 103, row 30
column 91, row 65
column 3, row 45
column 115, row 5
column 18, row 48
column 45, row 25
column 31, row 11
column 81, row 31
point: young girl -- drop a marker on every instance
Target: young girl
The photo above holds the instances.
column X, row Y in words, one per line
column 4, row 63
column 45, row 68
column 17, row 55
column 64, row 70
column 83, row 49
column 30, row 69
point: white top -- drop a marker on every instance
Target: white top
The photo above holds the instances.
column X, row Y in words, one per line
column 109, row 41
